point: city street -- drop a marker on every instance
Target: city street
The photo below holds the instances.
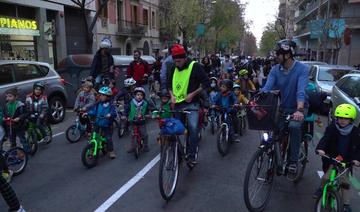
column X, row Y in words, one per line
column 56, row 180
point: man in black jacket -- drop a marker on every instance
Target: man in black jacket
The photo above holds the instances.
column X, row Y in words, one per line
column 186, row 80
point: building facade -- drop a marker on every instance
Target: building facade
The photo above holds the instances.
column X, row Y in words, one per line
column 323, row 26
column 130, row 25
column 286, row 16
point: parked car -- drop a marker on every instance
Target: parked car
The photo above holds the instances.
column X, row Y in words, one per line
column 310, row 63
column 346, row 90
column 74, row 68
column 325, row 76
column 23, row 74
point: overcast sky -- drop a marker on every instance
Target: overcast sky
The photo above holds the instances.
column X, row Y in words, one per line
column 260, row 12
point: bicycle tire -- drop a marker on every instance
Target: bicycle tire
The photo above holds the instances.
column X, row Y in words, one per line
column 302, row 163
column 258, row 156
column 49, row 132
column 169, row 150
column 241, row 132
column 212, row 127
column 88, row 149
column 11, row 159
column 338, row 200
column 32, row 140
column 73, row 129
column 137, row 149
column 223, row 143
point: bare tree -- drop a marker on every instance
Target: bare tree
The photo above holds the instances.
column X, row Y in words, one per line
column 83, row 5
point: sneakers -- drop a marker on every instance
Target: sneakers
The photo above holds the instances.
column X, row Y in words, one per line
column 317, row 194
column 112, row 155
column 146, row 148
column 8, row 175
column 293, row 168
column 21, row 209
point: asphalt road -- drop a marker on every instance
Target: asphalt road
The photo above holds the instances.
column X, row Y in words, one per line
column 56, row 180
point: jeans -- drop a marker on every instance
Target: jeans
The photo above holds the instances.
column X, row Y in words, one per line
column 192, row 125
column 295, row 130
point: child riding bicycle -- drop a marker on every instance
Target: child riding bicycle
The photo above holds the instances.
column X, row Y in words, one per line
column 341, row 138
column 227, row 99
column 139, row 108
column 104, row 112
column 84, row 101
column 15, row 114
column 37, row 106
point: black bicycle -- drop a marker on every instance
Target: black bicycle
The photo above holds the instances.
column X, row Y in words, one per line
column 271, row 157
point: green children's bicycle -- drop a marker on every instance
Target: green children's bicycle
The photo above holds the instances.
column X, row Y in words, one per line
column 331, row 199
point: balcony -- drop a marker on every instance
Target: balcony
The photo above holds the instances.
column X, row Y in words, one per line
column 311, row 7
column 164, row 35
column 131, row 29
column 301, row 31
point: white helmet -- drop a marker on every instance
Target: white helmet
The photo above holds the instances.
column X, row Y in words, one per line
column 105, row 44
column 129, row 82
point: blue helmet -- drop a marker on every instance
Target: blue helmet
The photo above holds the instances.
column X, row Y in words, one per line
column 106, row 91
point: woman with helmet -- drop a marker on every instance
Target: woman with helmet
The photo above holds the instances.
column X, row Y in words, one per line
column 105, row 113
column 103, row 63
column 139, row 108
column 291, row 78
column 37, row 106
column 341, row 140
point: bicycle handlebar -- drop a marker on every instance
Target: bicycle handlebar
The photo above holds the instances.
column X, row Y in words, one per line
column 337, row 161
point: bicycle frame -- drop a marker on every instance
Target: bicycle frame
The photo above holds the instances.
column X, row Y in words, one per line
column 98, row 142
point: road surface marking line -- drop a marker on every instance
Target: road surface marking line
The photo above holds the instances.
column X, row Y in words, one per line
column 320, row 173
column 111, row 200
column 57, row 134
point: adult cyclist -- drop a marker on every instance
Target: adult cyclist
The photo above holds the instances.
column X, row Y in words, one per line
column 103, row 63
column 291, row 78
column 187, row 79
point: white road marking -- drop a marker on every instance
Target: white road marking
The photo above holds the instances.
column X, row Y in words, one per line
column 57, row 134
column 320, row 173
column 111, row 200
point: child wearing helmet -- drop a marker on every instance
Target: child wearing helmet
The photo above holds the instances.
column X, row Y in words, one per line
column 125, row 93
column 341, row 138
column 241, row 97
column 213, row 90
column 84, row 101
column 225, row 99
column 38, row 108
column 105, row 113
column 139, row 108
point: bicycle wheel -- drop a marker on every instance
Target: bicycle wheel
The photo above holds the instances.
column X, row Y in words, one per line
column 73, row 134
column 168, row 170
column 223, row 141
column 48, row 133
column 331, row 203
column 302, row 161
column 32, row 140
column 260, row 170
column 16, row 160
column 121, row 129
column 241, row 132
column 87, row 157
column 137, row 148
column 212, row 127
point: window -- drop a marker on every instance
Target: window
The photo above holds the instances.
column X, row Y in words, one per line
column 6, row 74
column 351, row 87
column 153, row 21
column 44, row 70
column 27, row 72
column 332, row 75
column 312, row 73
column 104, row 11
column 145, row 17
column 120, row 10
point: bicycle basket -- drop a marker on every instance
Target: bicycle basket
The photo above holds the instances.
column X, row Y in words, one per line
column 172, row 126
column 261, row 112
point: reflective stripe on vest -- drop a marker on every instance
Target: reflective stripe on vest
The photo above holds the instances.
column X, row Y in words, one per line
column 180, row 82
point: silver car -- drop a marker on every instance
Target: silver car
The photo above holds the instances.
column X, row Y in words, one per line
column 346, row 90
column 23, row 75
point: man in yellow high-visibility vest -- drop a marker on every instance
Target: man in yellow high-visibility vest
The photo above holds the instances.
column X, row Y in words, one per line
column 185, row 82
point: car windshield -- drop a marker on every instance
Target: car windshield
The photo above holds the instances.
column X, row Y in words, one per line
column 332, row 75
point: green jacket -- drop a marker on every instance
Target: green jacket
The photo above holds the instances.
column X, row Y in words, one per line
column 134, row 110
column 166, row 110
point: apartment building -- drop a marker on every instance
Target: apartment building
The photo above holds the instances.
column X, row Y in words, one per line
column 130, row 25
column 323, row 26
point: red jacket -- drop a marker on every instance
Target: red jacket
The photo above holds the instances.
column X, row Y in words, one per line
column 137, row 70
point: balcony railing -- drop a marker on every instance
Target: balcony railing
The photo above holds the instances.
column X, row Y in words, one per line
column 129, row 28
column 311, row 7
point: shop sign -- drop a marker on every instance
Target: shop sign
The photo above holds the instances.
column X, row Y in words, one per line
column 17, row 26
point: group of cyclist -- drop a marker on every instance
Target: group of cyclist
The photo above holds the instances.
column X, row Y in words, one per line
column 193, row 86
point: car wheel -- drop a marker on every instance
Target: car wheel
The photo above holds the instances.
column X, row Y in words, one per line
column 57, row 110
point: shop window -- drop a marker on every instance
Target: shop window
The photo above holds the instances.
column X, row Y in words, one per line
column 27, row 72
column 6, row 74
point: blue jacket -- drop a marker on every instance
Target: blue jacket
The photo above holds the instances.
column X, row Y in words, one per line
column 226, row 101
column 164, row 71
column 100, row 110
column 291, row 85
